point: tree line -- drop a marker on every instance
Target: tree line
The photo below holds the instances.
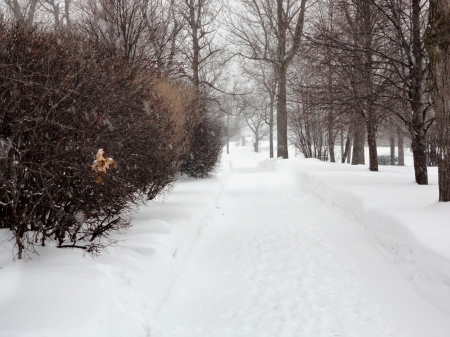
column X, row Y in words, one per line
column 349, row 71
column 148, row 82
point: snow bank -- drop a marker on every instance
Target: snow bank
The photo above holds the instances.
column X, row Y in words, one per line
column 67, row 293
column 404, row 221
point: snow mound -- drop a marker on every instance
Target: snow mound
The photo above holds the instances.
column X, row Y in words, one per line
column 404, row 221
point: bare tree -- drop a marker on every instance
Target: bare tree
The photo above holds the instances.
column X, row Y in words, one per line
column 264, row 75
column 271, row 31
column 233, row 110
column 166, row 44
column 405, row 23
column 400, row 146
column 307, row 115
column 60, row 11
column 23, row 11
column 255, row 112
column 198, row 47
column 232, row 128
column 125, row 28
column 55, row 10
column 381, row 69
column 346, row 151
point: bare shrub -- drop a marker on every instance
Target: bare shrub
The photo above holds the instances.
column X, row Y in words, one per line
column 62, row 99
column 180, row 102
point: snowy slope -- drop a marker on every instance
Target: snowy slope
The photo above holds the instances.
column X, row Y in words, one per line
column 63, row 292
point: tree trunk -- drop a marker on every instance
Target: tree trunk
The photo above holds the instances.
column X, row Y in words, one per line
column 31, row 13
column 358, row 145
column 418, row 132
column 342, row 147
column 256, row 145
column 330, row 108
column 349, row 155
column 195, row 45
column 438, row 46
column 56, row 16
column 228, row 134
column 272, row 102
column 372, row 142
column 282, row 145
column 419, row 148
column 401, row 148
column 347, row 150
column 392, row 145
column 331, row 144
column 67, row 13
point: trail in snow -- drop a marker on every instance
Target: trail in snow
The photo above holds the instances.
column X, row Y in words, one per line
column 276, row 262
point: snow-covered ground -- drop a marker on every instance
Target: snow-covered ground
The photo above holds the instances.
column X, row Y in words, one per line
column 63, row 292
column 267, row 247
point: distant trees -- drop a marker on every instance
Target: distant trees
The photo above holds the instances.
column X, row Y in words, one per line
column 233, row 110
column 27, row 12
column 406, row 65
column 23, row 12
column 363, row 68
column 350, row 52
column 370, row 69
column 264, row 79
column 305, row 118
column 271, row 31
column 256, row 114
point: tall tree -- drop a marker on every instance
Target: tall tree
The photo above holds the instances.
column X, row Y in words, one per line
column 438, row 46
column 271, row 31
column 199, row 48
column 350, row 46
column 407, row 66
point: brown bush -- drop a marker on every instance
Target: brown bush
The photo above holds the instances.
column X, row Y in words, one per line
column 62, row 99
column 205, row 148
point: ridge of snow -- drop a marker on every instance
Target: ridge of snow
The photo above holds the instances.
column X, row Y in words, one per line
column 403, row 221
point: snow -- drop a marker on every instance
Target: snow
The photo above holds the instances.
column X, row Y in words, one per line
column 403, row 220
column 266, row 247
column 63, row 292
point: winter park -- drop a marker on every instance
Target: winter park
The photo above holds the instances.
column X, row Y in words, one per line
column 212, row 168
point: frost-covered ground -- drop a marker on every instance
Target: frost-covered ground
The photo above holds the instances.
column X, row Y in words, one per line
column 264, row 248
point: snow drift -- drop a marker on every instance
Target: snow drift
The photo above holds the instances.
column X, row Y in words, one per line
column 65, row 292
column 404, row 221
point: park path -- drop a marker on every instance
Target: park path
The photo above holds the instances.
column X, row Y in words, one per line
column 277, row 262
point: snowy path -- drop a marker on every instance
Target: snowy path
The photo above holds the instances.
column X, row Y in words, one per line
column 276, row 262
